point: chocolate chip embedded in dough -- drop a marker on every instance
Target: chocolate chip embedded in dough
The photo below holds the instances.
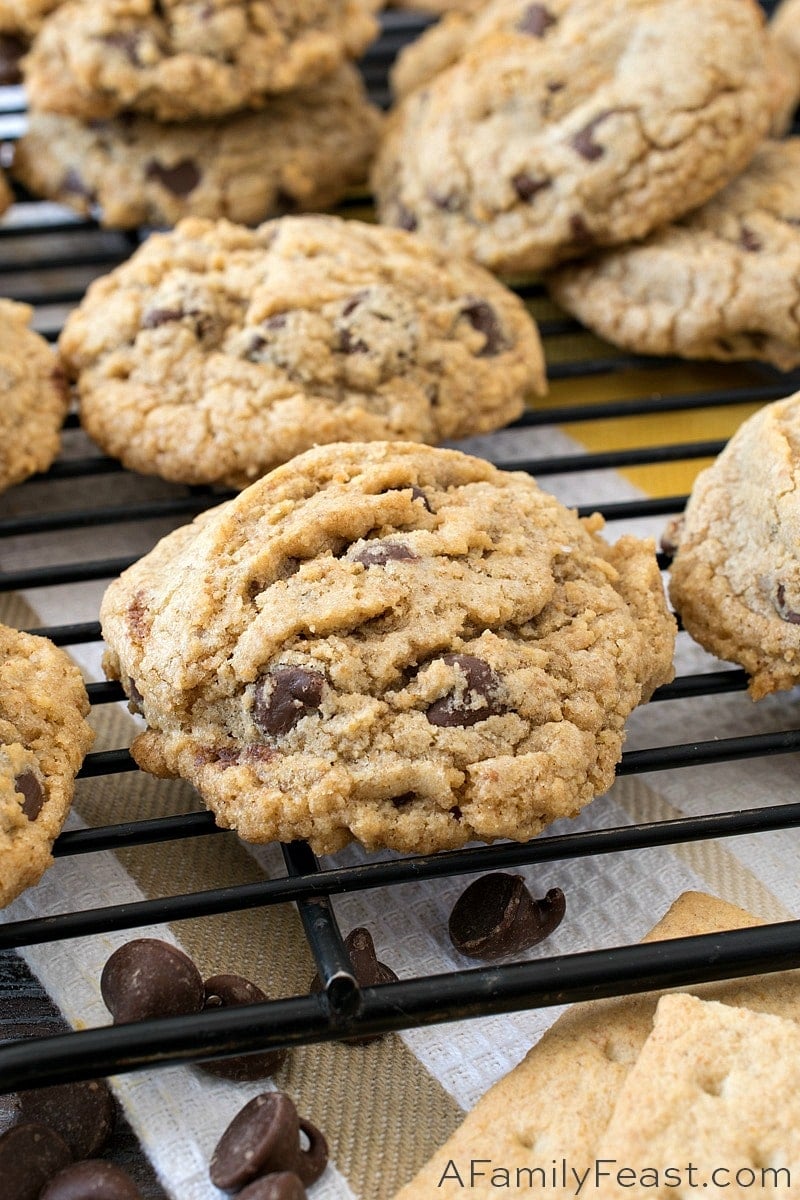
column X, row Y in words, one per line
column 154, row 317
column 749, row 240
column 181, row 179
column 497, row 916
column 348, row 344
column 583, row 141
column 526, row 186
column 483, row 318
column 29, row 786
column 73, row 185
column 126, row 42
column 535, row 20
column 475, row 701
column 150, row 978
column 782, row 609
column 405, row 219
column 382, row 551
column 284, row 696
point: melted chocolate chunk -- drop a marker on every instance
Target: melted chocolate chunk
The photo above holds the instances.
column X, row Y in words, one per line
column 379, row 552
column 583, row 141
column 483, row 318
column 28, row 786
column 348, row 344
column 127, row 43
column 459, row 709
column 535, row 20
column 284, row 696
column 181, row 179
column 526, row 186
column 748, row 240
column 581, row 233
column 784, row 612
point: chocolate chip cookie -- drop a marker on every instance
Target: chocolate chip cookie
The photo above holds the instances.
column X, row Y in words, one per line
column 24, row 17
column 217, row 352
column 180, row 59
column 735, row 578
column 393, row 643
column 301, row 152
column 33, row 397
column 43, row 739
column 723, row 283
column 601, row 122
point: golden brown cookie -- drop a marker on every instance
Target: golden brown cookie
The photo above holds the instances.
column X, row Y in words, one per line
column 217, row 352
column 391, row 643
column 43, row 739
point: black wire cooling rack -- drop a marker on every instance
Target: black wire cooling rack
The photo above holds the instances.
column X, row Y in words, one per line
column 46, row 258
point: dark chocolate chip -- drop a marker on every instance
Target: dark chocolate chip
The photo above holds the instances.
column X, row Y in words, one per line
column 367, row 969
column 352, row 304
column 456, row 813
column 784, row 612
column 671, row 537
column 526, row 186
column 418, row 494
column 73, row 185
column 30, row 1155
column 28, row 786
column 497, row 915
column 11, row 51
column 127, row 43
column 284, row 696
column 535, row 20
column 748, row 240
column 581, row 233
column 161, row 316
column 94, row 1179
column 479, row 700
column 348, row 344
column 283, row 1185
column 446, row 201
column 314, row 1158
column 381, row 551
column 405, row 799
column 264, row 1136
column 583, row 141
column 278, row 321
column 285, row 202
column 555, row 85
column 135, row 697
column 483, row 318
column 231, row 991
column 84, row 1114
column 181, row 179
column 405, row 219
column 150, row 978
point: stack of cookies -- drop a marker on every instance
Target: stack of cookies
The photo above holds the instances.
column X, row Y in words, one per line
column 144, row 112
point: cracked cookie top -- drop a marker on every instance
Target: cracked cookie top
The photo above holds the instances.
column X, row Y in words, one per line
column 33, row 397
column 181, row 58
column 603, row 120
column 735, row 578
column 392, row 643
column 723, row 283
column 217, row 352
column 43, row 739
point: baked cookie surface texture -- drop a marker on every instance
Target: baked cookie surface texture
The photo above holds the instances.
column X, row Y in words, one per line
column 24, row 17
column 217, row 352
column 609, row 119
column 724, row 283
column 179, row 60
column 43, row 739
column 391, row 643
column 735, row 579
column 301, row 152
column 33, row 397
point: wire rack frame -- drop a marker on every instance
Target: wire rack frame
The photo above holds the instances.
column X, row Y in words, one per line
column 343, row 1007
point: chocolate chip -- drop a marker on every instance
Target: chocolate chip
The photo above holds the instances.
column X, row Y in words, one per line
column 671, row 537
column 150, row 978
column 526, row 186
column 367, row 969
column 748, row 240
column 264, row 1136
column 405, row 219
column 581, row 233
column 11, row 51
column 277, row 322
column 446, row 201
column 483, row 319
column 284, row 696
column 231, row 991
column 535, row 20
column 555, row 85
column 348, row 344
column 30, row 1155
column 28, row 786
column 284, row 1185
column 583, row 141
column 135, row 697
column 405, row 799
column 95, row 1179
column 475, row 702
column 418, row 494
column 497, row 915
column 314, row 1158
column 785, row 613
column 84, row 1114
column 126, row 43
column 381, row 551
column 181, row 179
column 285, row 202
column 352, row 304
column 161, row 316
column 73, row 185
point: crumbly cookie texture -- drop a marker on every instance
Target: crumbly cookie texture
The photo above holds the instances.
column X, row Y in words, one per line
column 218, row 352
column 24, row 17
column 735, row 578
column 603, row 121
column 724, row 283
column 33, row 397
column 392, row 643
column 43, row 739
column 177, row 60
column 301, row 152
